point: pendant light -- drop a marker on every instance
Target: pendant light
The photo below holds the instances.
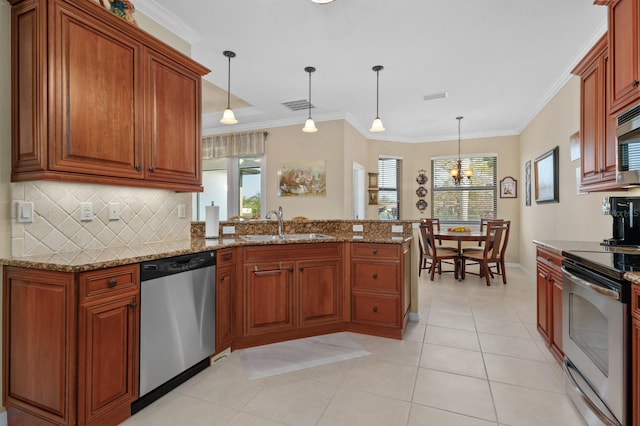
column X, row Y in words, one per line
column 309, row 125
column 228, row 117
column 377, row 123
column 456, row 172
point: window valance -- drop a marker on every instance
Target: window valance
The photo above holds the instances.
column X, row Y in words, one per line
column 233, row 144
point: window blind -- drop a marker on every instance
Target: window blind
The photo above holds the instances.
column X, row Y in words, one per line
column 471, row 200
column 389, row 188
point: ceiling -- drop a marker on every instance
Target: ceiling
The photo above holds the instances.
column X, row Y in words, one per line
column 500, row 61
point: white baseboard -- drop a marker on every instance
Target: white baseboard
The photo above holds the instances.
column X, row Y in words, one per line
column 3, row 419
column 414, row 317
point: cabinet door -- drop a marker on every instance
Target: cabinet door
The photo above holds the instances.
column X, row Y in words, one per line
column 173, row 110
column 624, row 45
column 107, row 358
column 39, row 343
column 96, row 129
column 225, row 312
column 635, row 366
column 320, row 292
column 610, row 124
column 592, row 111
column 270, row 298
column 543, row 296
column 556, row 315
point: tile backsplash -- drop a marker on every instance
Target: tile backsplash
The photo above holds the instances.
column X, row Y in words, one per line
column 146, row 216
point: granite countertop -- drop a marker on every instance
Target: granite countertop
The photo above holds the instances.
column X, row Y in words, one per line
column 87, row 260
column 560, row 247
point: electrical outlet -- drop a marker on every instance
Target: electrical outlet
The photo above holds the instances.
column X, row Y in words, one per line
column 86, row 211
column 358, row 228
column 396, row 228
column 182, row 211
column 114, row 211
column 228, row 230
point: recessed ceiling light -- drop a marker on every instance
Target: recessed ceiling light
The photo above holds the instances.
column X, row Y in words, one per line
column 323, row 1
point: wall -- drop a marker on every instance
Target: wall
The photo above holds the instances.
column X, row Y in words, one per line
column 355, row 150
column 575, row 217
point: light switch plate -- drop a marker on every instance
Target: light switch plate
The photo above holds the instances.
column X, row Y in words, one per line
column 358, row 228
column 24, row 211
column 114, row 211
column 182, row 211
column 396, row 228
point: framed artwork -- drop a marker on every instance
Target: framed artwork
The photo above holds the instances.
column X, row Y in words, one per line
column 373, row 196
column 373, row 180
column 546, row 177
column 508, row 188
column 527, row 183
column 304, row 178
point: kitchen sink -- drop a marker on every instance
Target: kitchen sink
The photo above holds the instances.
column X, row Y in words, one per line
column 287, row 237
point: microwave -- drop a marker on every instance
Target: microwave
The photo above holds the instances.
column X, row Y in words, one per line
column 628, row 133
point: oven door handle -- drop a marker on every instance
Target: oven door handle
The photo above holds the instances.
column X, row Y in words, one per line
column 590, row 286
column 608, row 420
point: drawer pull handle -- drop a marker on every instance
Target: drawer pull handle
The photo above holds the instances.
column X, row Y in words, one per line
column 226, row 257
column 152, row 169
column 375, row 309
column 375, row 276
column 549, row 259
column 222, row 278
column 375, row 251
column 113, row 283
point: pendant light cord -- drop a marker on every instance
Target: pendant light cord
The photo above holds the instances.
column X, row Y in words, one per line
column 229, row 84
column 377, row 93
column 309, row 94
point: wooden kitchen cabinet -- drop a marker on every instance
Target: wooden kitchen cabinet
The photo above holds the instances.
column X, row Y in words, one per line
column 380, row 288
column 99, row 100
column 549, row 299
column 289, row 291
column 70, row 345
column 597, row 126
column 226, row 283
column 635, row 352
column 624, row 46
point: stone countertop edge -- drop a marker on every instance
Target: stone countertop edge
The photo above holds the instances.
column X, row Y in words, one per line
column 89, row 260
column 560, row 247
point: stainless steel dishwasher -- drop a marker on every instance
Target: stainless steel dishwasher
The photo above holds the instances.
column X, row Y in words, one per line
column 177, row 322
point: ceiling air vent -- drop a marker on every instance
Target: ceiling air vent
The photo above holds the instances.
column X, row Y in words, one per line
column 297, row 105
column 438, row 95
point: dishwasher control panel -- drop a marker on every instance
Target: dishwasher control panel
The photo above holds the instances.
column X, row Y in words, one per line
column 174, row 265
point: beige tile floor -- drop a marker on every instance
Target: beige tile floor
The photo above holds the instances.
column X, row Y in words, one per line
column 474, row 359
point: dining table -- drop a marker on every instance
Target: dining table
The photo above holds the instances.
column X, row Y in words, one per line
column 460, row 237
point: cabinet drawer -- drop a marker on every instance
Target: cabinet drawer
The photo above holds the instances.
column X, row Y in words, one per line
column 379, row 310
column 635, row 300
column 104, row 282
column 549, row 257
column 375, row 251
column 226, row 257
column 375, row 276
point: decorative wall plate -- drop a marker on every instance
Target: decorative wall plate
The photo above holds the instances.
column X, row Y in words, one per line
column 421, row 204
column 422, row 192
column 422, row 177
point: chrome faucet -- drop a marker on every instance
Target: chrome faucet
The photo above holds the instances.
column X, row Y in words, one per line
column 280, row 217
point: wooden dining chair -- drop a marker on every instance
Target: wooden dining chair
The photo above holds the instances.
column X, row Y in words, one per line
column 432, row 255
column 492, row 255
column 436, row 229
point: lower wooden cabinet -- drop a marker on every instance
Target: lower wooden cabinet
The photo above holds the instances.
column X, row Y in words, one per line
column 635, row 353
column 226, row 283
column 70, row 345
column 549, row 299
column 380, row 288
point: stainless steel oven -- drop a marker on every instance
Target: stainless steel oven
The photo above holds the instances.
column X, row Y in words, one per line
column 596, row 340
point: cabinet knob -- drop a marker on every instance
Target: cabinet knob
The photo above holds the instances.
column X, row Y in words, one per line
column 222, row 278
column 375, row 276
column 138, row 167
column 301, row 269
column 152, row 169
column 375, row 309
column 226, row 257
column 636, row 83
column 548, row 259
column 375, row 251
column 133, row 305
column 113, row 283
column 601, row 170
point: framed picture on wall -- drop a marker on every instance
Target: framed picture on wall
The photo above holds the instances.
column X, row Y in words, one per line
column 527, row 183
column 508, row 188
column 546, row 177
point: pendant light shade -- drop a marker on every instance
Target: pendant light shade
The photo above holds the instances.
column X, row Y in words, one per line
column 309, row 125
column 227, row 116
column 377, row 123
column 456, row 172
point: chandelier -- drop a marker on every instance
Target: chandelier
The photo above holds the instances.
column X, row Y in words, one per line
column 456, row 172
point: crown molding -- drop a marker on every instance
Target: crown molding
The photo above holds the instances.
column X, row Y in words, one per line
column 168, row 20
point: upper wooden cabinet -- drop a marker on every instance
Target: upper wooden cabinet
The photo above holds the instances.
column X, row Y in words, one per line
column 96, row 99
column 597, row 126
column 624, row 48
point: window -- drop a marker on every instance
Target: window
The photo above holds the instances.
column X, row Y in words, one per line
column 470, row 201
column 389, row 188
column 234, row 184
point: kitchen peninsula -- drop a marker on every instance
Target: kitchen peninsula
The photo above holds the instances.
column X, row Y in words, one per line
column 72, row 325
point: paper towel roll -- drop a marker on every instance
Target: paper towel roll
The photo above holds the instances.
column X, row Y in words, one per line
column 212, row 214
